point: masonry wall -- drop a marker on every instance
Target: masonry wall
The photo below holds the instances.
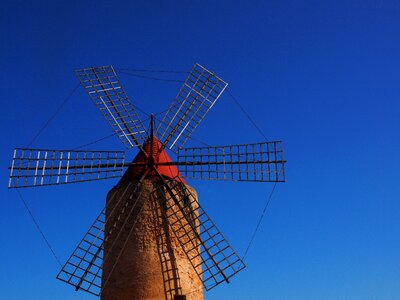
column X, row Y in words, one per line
column 145, row 263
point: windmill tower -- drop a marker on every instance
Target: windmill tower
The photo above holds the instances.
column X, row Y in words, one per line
column 152, row 240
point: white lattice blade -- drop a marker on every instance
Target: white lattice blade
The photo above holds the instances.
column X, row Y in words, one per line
column 106, row 91
column 41, row 167
column 209, row 253
column 262, row 162
column 197, row 96
column 84, row 267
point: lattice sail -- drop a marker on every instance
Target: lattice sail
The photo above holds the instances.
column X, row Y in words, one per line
column 198, row 235
column 105, row 89
column 40, row 167
column 196, row 97
column 84, row 268
column 247, row 162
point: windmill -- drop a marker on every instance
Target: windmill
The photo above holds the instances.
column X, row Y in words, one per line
column 152, row 239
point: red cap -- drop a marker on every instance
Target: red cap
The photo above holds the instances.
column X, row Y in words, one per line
column 136, row 171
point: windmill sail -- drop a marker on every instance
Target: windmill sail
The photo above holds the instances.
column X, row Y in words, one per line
column 210, row 254
column 196, row 97
column 84, row 268
column 105, row 89
column 40, row 167
column 246, row 162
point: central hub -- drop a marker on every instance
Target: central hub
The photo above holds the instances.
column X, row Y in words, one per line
column 153, row 156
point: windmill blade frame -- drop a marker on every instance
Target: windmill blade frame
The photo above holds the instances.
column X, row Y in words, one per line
column 198, row 235
column 105, row 89
column 257, row 162
column 41, row 167
column 198, row 94
column 84, row 268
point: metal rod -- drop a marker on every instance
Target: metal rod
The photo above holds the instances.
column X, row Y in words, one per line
column 172, row 163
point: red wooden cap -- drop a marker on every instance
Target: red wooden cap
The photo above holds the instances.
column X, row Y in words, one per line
column 136, row 171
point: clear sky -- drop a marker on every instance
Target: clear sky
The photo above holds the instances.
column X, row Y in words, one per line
column 320, row 75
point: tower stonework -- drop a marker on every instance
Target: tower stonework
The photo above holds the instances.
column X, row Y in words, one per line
column 152, row 264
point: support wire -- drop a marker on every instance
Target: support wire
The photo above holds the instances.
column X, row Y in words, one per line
column 149, row 77
column 38, row 228
column 269, row 198
column 59, row 108
column 45, row 125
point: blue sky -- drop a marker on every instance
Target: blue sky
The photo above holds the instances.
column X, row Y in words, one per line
column 320, row 75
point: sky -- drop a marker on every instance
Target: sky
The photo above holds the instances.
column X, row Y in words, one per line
column 322, row 76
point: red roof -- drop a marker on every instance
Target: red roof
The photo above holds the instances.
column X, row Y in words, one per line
column 136, row 171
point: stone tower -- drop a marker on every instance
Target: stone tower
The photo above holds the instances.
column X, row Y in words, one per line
column 152, row 264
